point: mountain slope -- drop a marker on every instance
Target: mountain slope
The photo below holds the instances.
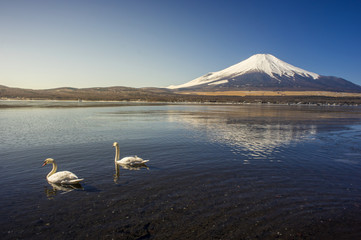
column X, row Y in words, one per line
column 266, row 72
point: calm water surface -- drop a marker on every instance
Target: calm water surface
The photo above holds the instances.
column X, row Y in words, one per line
column 215, row 172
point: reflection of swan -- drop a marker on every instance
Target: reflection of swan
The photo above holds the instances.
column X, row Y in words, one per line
column 130, row 161
column 116, row 175
column 133, row 167
column 50, row 193
column 63, row 177
column 65, row 188
column 127, row 167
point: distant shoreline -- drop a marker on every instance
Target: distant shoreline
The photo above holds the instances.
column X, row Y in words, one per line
column 49, row 103
column 111, row 95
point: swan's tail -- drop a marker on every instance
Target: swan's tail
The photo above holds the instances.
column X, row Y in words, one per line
column 144, row 161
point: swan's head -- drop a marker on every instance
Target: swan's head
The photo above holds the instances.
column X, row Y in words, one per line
column 48, row 161
column 115, row 144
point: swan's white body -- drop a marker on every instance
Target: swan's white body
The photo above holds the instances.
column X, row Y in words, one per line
column 133, row 160
column 63, row 177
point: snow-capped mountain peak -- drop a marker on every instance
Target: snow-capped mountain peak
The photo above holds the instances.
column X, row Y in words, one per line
column 263, row 63
column 269, row 64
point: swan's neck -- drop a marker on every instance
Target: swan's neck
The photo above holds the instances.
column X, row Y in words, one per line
column 116, row 153
column 55, row 167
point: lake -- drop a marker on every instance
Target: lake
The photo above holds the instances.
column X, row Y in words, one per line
column 214, row 171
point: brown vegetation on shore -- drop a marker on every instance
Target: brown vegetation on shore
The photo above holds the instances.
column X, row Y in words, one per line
column 275, row 93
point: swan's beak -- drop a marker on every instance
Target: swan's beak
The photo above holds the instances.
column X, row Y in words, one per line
column 44, row 164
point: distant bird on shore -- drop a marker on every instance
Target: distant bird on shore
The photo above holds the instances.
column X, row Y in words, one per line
column 63, row 177
column 132, row 160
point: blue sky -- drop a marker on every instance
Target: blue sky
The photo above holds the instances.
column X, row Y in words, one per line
column 85, row 43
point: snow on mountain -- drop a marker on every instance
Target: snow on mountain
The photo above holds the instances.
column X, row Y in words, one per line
column 262, row 63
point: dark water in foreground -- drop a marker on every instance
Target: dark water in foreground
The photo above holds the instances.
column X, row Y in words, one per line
column 215, row 172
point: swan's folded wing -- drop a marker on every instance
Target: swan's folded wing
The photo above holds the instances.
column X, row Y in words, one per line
column 74, row 181
column 64, row 177
column 132, row 160
column 126, row 160
column 139, row 160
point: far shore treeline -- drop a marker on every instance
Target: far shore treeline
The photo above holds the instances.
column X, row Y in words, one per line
column 166, row 95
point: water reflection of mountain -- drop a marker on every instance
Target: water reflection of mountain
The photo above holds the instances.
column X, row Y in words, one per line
column 255, row 137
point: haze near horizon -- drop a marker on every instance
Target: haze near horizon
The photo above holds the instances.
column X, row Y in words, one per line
column 160, row 43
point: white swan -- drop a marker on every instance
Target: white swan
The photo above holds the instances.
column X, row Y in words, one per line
column 63, row 177
column 133, row 160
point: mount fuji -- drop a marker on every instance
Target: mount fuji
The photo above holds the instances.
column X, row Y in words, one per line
column 266, row 72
